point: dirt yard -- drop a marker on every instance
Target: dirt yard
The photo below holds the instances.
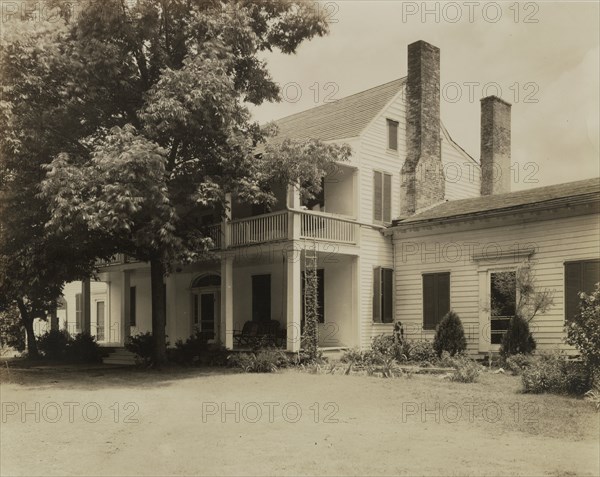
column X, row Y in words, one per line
column 191, row 422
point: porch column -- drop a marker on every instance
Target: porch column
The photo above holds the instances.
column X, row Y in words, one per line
column 293, row 295
column 226, row 223
column 125, row 305
column 86, row 315
column 227, row 300
column 293, row 203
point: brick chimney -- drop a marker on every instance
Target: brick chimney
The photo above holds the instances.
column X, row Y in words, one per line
column 422, row 173
column 495, row 146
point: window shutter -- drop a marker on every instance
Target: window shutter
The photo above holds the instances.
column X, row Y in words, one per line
column 591, row 275
column 387, row 198
column 78, row 311
column 443, row 295
column 429, row 301
column 377, row 295
column 377, row 197
column 573, row 286
column 392, row 127
column 132, row 306
column 387, row 298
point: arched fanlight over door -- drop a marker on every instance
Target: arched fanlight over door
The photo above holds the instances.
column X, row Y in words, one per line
column 209, row 280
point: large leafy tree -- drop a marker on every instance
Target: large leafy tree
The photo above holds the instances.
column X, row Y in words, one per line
column 149, row 100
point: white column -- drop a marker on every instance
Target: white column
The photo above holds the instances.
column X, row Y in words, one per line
column 125, row 306
column 483, row 335
column 293, row 297
column 293, row 203
column 226, row 224
column 227, row 300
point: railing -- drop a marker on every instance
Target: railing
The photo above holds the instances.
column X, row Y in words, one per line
column 331, row 229
column 118, row 259
column 259, row 229
column 214, row 232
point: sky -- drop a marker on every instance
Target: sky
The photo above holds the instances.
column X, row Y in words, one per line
column 543, row 57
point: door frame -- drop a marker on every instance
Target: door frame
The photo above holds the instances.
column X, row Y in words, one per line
column 216, row 292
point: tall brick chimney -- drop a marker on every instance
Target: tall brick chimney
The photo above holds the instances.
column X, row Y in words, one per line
column 422, row 173
column 495, row 146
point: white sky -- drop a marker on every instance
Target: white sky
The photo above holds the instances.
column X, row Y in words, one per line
column 554, row 62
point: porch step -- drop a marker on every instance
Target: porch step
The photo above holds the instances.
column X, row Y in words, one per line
column 120, row 356
column 333, row 353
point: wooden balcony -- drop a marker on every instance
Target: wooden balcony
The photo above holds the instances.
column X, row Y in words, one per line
column 327, row 228
column 259, row 229
column 118, row 259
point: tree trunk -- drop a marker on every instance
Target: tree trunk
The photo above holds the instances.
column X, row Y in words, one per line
column 27, row 320
column 159, row 319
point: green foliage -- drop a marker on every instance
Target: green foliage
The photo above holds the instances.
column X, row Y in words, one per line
column 266, row 361
column 143, row 346
column 389, row 346
column 61, row 346
column 310, row 338
column 450, row 335
column 516, row 363
column 583, row 331
column 421, row 352
column 197, row 351
column 53, row 344
column 83, row 348
column 466, row 370
column 517, row 338
column 12, row 332
column 552, row 373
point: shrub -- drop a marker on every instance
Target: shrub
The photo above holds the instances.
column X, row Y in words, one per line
column 552, row 373
column 142, row 345
column 189, row 351
column 516, row 363
column 53, row 344
column 266, row 361
column 421, row 352
column 466, row 370
column 450, row 335
column 83, row 348
column 583, row 331
column 388, row 346
column 353, row 355
column 517, row 338
column 12, row 332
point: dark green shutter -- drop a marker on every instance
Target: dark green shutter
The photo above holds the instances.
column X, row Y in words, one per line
column 387, row 279
column 377, row 295
column 429, row 301
column 436, row 298
column 387, row 198
column 377, row 197
column 579, row 277
column 132, row 306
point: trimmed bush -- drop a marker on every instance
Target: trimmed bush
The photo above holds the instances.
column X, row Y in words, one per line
column 583, row 331
column 552, row 373
column 450, row 335
column 53, row 344
column 517, row 338
column 142, row 345
column 421, row 352
column 516, row 363
column 388, row 346
column 466, row 370
column 83, row 348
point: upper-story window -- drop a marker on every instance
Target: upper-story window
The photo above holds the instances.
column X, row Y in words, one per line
column 392, row 130
column 382, row 197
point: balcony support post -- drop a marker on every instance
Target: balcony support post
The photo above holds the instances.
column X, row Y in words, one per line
column 226, row 331
column 293, row 295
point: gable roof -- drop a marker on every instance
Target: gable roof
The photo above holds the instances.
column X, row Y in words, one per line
column 569, row 193
column 341, row 119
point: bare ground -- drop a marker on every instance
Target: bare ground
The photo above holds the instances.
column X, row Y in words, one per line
column 216, row 422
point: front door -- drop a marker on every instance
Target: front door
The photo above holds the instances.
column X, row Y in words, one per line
column 205, row 316
column 503, row 301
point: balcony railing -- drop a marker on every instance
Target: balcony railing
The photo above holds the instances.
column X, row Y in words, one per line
column 214, row 232
column 259, row 229
column 118, row 259
column 326, row 228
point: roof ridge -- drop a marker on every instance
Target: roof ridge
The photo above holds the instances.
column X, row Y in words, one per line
column 321, row 106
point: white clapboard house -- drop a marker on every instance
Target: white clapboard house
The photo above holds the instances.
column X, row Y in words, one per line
column 411, row 227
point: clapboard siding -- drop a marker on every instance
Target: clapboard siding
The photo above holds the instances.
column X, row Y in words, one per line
column 554, row 244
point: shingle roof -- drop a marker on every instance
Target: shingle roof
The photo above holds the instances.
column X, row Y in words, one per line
column 341, row 119
column 539, row 197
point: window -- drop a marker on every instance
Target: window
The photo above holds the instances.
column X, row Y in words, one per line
column 320, row 294
column 436, row 298
column 382, row 197
column 579, row 277
column 261, row 298
column 78, row 311
column 392, row 130
column 132, row 306
column 210, row 280
column 383, row 290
